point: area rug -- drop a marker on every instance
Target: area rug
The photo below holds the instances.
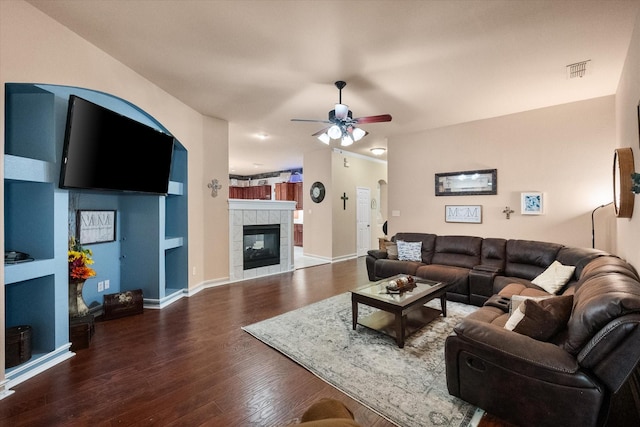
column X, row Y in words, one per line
column 407, row 386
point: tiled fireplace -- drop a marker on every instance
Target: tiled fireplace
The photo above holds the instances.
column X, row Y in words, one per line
column 251, row 231
column 261, row 245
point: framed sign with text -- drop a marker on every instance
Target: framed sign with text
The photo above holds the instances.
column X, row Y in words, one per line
column 96, row 226
column 463, row 213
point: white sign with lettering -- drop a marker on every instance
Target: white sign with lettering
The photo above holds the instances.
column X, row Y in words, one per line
column 96, row 226
column 463, row 213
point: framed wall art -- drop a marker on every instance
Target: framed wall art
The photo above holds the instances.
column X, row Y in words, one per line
column 463, row 213
column 467, row 183
column 532, row 203
column 96, row 226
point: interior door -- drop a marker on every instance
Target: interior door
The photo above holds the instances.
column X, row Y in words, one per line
column 363, row 220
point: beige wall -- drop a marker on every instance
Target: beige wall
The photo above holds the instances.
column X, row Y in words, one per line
column 318, row 220
column 565, row 151
column 627, row 99
column 330, row 230
column 361, row 172
column 215, row 235
column 35, row 48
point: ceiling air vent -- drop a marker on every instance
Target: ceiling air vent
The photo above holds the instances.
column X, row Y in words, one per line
column 579, row 69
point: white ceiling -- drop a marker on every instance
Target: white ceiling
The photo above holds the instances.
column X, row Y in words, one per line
column 260, row 63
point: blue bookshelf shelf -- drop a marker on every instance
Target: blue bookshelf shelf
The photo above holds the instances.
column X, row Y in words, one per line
column 150, row 249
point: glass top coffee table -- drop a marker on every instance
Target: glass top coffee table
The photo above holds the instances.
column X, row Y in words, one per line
column 399, row 315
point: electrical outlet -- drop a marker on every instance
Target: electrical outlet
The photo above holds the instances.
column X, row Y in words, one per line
column 194, row 271
column 106, row 284
column 100, row 286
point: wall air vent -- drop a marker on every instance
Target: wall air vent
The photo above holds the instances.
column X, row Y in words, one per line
column 579, row 69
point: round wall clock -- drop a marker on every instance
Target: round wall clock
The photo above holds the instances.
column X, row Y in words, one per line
column 623, row 197
column 317, row 192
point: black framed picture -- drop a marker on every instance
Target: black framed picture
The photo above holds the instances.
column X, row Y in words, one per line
column 467, row 183
column 94, row 226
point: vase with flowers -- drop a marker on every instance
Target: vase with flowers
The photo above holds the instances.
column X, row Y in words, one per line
column 79, row 272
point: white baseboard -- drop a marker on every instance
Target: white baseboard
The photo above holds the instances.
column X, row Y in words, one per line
column 37, row 365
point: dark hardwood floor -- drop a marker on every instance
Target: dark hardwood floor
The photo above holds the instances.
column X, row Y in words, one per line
column 190, row 364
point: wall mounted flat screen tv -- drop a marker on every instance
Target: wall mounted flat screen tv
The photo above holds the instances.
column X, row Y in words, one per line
column 104, row 150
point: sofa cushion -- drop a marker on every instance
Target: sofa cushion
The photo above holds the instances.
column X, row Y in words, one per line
column 501, row 282
column 608, row 265
column 457, row 251
column 457, row 277
column 391, row 267
column 409, row 251
column 554, row 277
column 489, row 314
column 599, row 300
column 521, row 289
column 493, row 253
column 541, row 319
column 578, row 257
column 527, row 259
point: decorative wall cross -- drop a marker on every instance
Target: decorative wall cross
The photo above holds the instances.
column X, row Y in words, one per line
column 214, row 185
column 507, row 211
column 344, row 201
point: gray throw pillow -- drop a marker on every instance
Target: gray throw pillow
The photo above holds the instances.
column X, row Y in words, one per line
column 409, row 251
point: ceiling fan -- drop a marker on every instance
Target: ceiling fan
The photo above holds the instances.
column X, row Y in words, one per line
column 342, row 124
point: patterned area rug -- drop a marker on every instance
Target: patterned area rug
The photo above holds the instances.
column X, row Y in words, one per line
column 406, row 385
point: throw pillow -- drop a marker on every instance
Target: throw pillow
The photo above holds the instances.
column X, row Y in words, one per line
column 516, row 300
column 409, row 251
column 541, row 320
column 554, row 277
column 392, row 250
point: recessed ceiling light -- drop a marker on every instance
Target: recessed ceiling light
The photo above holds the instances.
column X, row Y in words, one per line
column 263, row 136
column 378, row 151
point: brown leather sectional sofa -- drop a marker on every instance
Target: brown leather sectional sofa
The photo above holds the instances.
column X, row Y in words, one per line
column 478, row 267
column 585, row 374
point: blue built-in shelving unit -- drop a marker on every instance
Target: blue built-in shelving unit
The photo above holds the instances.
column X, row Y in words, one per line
column 150, row 251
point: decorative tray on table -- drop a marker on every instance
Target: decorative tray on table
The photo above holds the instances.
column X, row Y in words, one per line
column 401, row 284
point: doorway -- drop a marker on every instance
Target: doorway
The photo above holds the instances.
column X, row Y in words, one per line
column 363, row 220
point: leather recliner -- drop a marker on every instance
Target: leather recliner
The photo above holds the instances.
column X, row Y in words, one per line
column 571, row 380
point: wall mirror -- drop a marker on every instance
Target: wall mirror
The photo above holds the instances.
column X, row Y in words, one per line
column 623, row 197
column 467, row 183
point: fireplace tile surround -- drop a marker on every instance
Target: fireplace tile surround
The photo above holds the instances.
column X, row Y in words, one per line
column 259, row 212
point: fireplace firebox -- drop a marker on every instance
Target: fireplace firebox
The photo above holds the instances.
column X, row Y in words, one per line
column 261, row 245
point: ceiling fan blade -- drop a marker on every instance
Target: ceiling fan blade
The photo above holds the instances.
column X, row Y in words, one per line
column 373, row 119
column 321, row 131
column 310, row 120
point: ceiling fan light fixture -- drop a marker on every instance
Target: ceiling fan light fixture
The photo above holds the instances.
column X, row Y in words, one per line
column 324, row 138
column 342, row 122
column 334, row 132
column 346, row 141
column 341, row 111
column 378, row 151
column 358, row 134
